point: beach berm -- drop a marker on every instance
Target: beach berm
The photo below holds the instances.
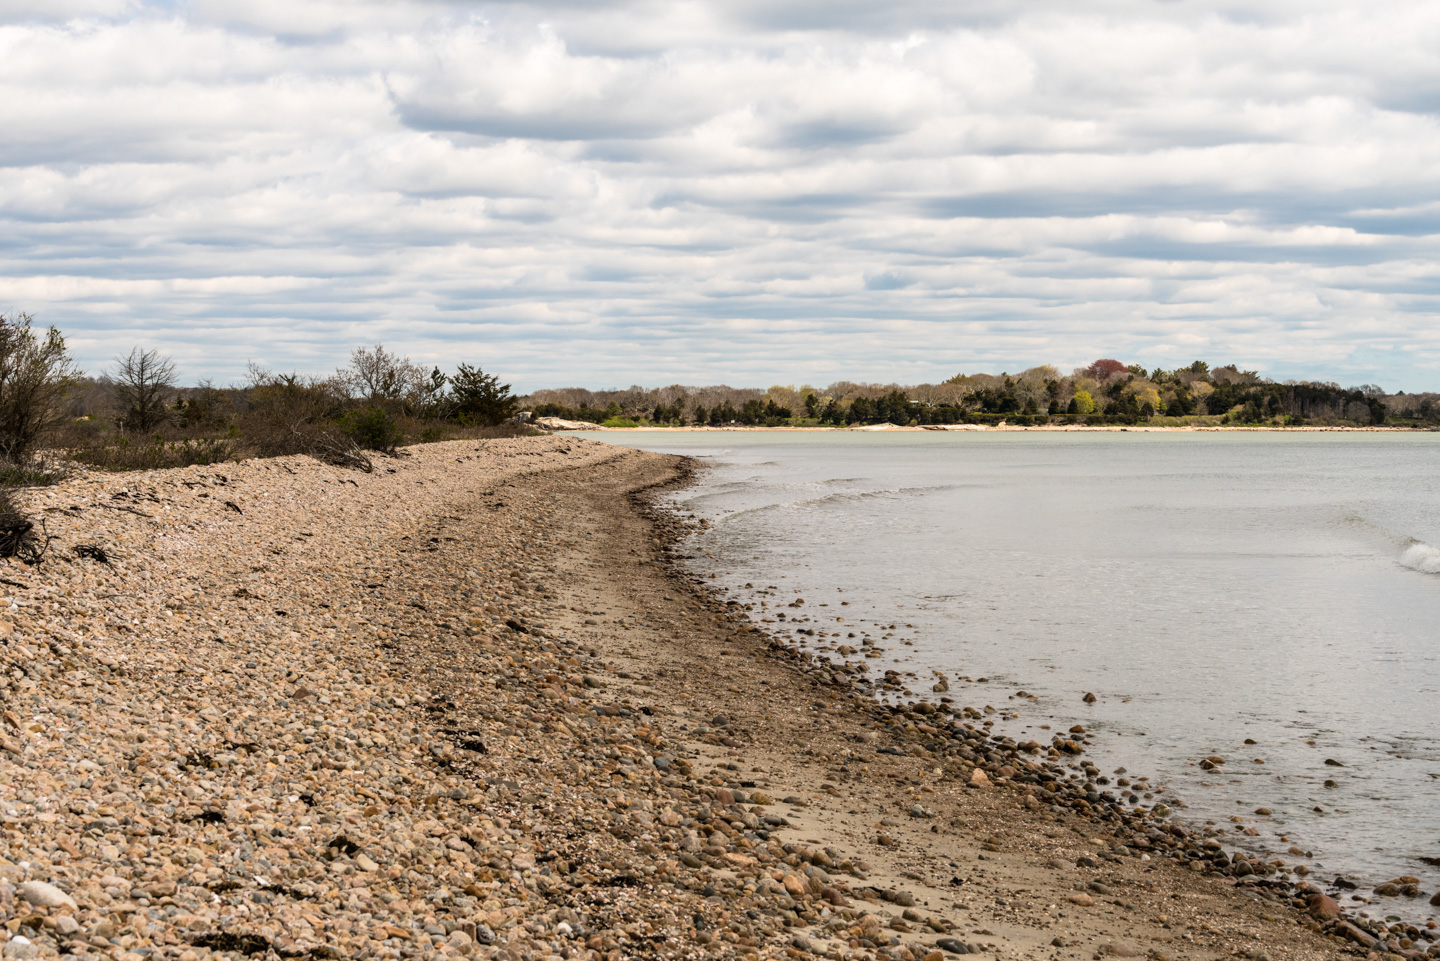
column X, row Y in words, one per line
column 464, row 707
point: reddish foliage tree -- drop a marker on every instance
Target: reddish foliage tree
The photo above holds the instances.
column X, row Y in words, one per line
column 1106, row 368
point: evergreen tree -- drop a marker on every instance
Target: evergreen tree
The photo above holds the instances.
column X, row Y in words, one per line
column 481, row 397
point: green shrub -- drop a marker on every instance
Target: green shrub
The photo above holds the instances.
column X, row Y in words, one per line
column 125, row 454
column 618, row 422
column 37, row 472
column 35, row 373
column 373, row 429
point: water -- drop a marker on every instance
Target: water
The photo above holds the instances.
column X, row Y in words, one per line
column 1207, row 588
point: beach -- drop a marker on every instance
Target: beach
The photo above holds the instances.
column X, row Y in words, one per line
column 467, row 706
column 556, row 424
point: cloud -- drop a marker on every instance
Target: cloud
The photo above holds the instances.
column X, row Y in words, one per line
column 605, row 193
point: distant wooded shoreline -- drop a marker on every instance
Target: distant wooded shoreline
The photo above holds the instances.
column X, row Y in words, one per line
column 1106, row 393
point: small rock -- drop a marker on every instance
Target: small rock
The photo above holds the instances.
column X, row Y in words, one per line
column 67, row 925
column 364, row 863
column 22, row 948
column 44, row 895
column 1083, row 900
column 1119, row 950
column 1089, row 699
column 952, row 946
column 979, row 779
column 1323, row 907
column 1348, row 930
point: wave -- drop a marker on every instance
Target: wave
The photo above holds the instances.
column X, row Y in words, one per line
column 1422, row 557
column 1414, row 553
column 827, row 500
column 785, row 493
column 860, row 495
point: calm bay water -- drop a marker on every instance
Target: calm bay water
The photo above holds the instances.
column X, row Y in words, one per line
column 1207, row 588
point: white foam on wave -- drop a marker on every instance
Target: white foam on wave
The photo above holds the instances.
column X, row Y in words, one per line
column 1421, row 557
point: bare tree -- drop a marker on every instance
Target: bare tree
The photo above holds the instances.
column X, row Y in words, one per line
column 35, row 373
column 378, row 376
column 143, row 382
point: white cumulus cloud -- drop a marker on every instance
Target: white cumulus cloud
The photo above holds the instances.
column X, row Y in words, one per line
column 606, row 193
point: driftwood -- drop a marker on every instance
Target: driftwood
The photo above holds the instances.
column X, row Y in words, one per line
column 14, row 530
column 93, row 551
column 122, row 507
column 17, row 533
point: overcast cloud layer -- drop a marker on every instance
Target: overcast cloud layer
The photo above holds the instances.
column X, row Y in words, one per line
column 749, row 190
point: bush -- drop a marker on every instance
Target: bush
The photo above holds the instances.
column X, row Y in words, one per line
column 157, row 453
column 489, row 431
column 621, row 422
column 32, row 473
column 34, row 376
column 203, row 407
column 291, row 414
column 373, row 429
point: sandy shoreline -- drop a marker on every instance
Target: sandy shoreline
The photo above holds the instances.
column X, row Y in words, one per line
column 1017, row 428
column 464, row 707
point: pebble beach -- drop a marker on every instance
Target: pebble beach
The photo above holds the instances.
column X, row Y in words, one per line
column 467, row 706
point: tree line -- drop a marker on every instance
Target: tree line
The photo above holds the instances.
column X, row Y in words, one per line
column 136, row 414
column 1104, row 392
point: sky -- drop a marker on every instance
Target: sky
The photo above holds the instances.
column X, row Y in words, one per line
column 751, row 192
